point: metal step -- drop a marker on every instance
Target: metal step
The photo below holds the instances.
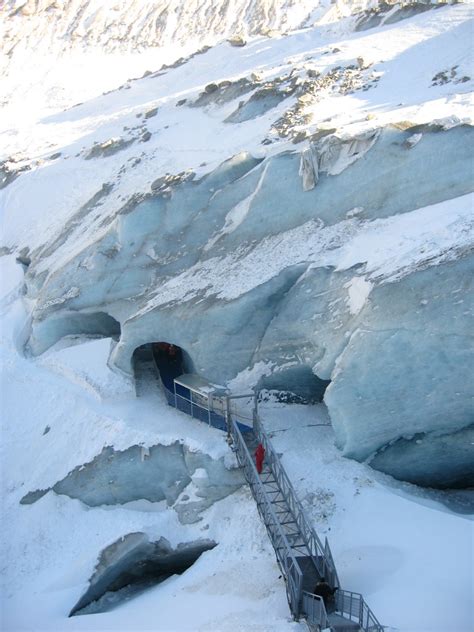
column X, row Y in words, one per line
column 341, row 624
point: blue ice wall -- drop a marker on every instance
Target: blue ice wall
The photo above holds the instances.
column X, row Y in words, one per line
column 403, row 388
column 299, row 316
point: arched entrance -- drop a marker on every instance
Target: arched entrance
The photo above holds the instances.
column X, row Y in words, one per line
column 163, row 358
column 187, row 391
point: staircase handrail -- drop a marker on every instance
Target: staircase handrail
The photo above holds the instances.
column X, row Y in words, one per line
column 327, row 550
column 286, row 559
column 348, row 603
column 326, row 567
column 354, row 606
column 315, row 610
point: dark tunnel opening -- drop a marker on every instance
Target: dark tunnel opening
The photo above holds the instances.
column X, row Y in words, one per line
column 168, row 359
column 161, row 362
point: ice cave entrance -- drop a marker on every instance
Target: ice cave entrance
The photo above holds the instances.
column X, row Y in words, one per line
column 184, row 390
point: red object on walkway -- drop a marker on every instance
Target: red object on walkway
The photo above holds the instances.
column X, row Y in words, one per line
column 259, row 456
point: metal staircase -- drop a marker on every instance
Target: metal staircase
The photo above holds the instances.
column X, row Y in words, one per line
column 300, row 553
column 301, row 556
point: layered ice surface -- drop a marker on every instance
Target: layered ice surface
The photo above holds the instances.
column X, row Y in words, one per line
column 408, row 365
column 188, row 480
column 277, row 210
column 132, row 564
column 362, row 279
column 331, row 252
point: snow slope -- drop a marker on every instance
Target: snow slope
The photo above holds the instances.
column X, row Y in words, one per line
column 408, row 550
column 389, row 541
column 70, row 37
column 247, row 191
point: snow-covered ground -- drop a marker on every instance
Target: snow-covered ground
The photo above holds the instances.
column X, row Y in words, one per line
column 403, row 58
column 408, row 553
column 402, row 548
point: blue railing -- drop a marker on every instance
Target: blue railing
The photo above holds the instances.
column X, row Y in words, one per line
column 181, row 398
column 353, row 606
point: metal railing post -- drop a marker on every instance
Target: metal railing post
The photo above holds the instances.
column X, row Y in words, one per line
column 255, row 407
column 227, row 416
column 322, row 556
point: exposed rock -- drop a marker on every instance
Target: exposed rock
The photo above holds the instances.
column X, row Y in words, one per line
column 24, row 261
column 343, row 80
column 210, row 88
column 261, row 101
column 108, row 148
column 237, row 41
column 392, row 12
column 413, row 140
column 448, row 76
column 168, row 181
column 151, row 113
column 226, row 91
column 9, row 171
column 299, row 137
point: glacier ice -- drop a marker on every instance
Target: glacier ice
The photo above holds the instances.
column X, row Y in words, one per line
column 161, row 473
column 402, row 387
column 249, row 264
column 136, row 560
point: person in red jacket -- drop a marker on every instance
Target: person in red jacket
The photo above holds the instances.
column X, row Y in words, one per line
column 259, row 456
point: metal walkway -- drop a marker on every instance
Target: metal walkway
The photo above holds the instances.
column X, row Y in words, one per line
column 301, row 556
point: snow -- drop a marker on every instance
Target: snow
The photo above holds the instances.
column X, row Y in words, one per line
column 86, row 365
column 358, row 290
column 393, row 542
column 399, row 545
column 422, row 237
column 185, row 138
column 389, row 540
